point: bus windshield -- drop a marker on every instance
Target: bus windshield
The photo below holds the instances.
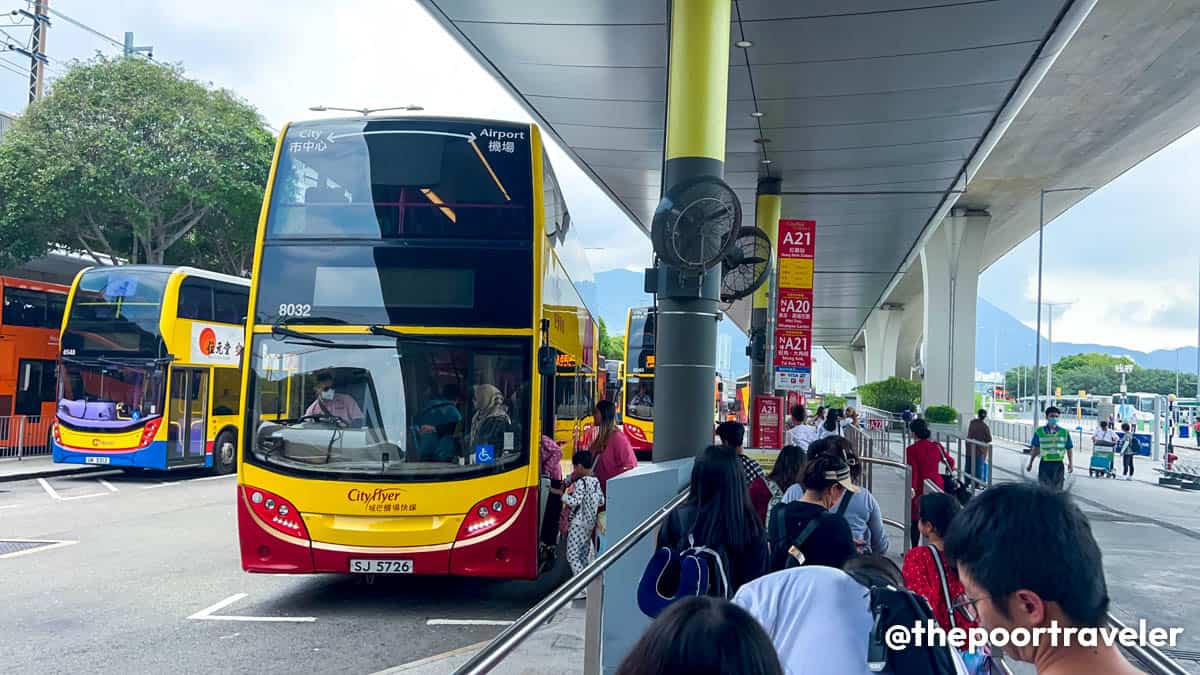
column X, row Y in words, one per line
column 639, row 355
column 367, row 407
column 640, row 395
column 403, row 178
column 108, row 393
column 116, row 311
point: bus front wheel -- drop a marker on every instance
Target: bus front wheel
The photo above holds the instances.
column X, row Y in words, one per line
column 225, row 453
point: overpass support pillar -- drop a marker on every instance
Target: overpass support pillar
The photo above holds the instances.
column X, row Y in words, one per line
column 860, row 366
column 689, row 304
column 762, row 318
column 882, row 335
column 950, row 268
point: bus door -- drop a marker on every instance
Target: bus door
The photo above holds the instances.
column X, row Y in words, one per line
column 187, row 416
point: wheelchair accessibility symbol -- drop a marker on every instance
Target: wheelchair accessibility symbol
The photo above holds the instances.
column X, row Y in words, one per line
column 485, row 454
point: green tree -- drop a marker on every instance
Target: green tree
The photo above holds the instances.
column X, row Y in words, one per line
column 611, row 346
column 894, row 394
column 129, row 159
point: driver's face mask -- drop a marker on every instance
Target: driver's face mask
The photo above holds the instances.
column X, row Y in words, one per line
column 327, row 393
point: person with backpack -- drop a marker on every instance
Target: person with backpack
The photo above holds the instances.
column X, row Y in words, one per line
column 832, row 425
column 924, row 456
column 860, row 509
column 784, row 476
column 804, row 532
column 818, row 618
column 717, row 516
column 926, row 569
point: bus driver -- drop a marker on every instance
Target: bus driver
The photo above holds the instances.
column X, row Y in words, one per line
column 330, row 402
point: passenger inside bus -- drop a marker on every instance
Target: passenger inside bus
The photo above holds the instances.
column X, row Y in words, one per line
column 491, row 425
column 437, row 424
column 642, row 402
column 332, row 403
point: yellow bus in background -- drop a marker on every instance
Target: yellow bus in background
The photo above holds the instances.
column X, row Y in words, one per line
column 637, row 396
column 149, row 369
column 417, row 300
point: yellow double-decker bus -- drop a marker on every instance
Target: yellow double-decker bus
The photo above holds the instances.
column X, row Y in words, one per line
column 416, row 296
column 638, row 393
column 149, row 369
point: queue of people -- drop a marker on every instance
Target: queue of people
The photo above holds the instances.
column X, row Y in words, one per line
column 819, row 610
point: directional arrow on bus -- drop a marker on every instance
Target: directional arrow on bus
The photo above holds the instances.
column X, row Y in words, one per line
column 469, row 137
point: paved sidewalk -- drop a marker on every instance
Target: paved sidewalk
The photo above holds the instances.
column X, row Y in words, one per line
column 40, row 467
column 555, row 648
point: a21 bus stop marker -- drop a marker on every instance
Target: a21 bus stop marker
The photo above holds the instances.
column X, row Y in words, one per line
column 210, row 614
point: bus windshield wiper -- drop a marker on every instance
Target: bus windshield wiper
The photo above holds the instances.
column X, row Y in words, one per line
column 284, row 331
column 377, row 329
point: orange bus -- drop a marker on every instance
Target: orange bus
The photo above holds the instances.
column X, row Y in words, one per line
column 29, row 325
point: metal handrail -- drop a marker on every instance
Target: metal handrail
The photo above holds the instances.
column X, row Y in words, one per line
column 1157, row 662
column 495, row 651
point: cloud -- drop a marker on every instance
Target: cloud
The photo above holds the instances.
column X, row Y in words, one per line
column 285, row 57
column 1127, row 254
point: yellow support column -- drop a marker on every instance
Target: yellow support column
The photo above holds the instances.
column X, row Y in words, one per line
column 688, row 304
column 768, row 206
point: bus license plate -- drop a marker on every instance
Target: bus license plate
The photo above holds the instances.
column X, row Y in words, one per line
column 381, row 566
column 95, row 460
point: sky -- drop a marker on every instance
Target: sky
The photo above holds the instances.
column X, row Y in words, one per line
column 1126, row 255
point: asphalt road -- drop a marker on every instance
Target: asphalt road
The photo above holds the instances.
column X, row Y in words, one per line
column 140, row 555
column 146, row 578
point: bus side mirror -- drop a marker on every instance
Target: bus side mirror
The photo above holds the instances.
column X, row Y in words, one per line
column 547, row 360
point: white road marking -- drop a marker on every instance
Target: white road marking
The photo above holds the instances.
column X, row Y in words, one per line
column 435, row 659
column 54, row 493
column 186, row 480
column 209, row 613
column 110, row 486
column 49, row 545
column 9, row 506
column 467, row 622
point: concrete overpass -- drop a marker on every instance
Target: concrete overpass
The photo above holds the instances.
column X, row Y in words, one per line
column 917, row 133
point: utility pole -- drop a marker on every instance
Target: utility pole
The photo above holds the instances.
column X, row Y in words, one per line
column 130, row 49
column 37, row 48
column 1037, row 353
column 1050, row 350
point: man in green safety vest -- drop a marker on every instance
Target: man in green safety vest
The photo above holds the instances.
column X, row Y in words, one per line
column 1051, row 442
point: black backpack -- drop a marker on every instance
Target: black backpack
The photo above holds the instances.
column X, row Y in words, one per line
column 891, row 606
column 777, row 538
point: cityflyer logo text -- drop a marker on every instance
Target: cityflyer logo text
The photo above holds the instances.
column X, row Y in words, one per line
column 376, row 496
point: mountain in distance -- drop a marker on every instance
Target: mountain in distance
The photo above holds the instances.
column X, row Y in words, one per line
column 1003, row 342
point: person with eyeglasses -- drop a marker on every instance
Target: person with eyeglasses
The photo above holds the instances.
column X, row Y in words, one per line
column 1028, row 560
column 1052, row 443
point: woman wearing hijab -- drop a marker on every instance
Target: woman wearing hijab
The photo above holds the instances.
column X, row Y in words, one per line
column 490, row 421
